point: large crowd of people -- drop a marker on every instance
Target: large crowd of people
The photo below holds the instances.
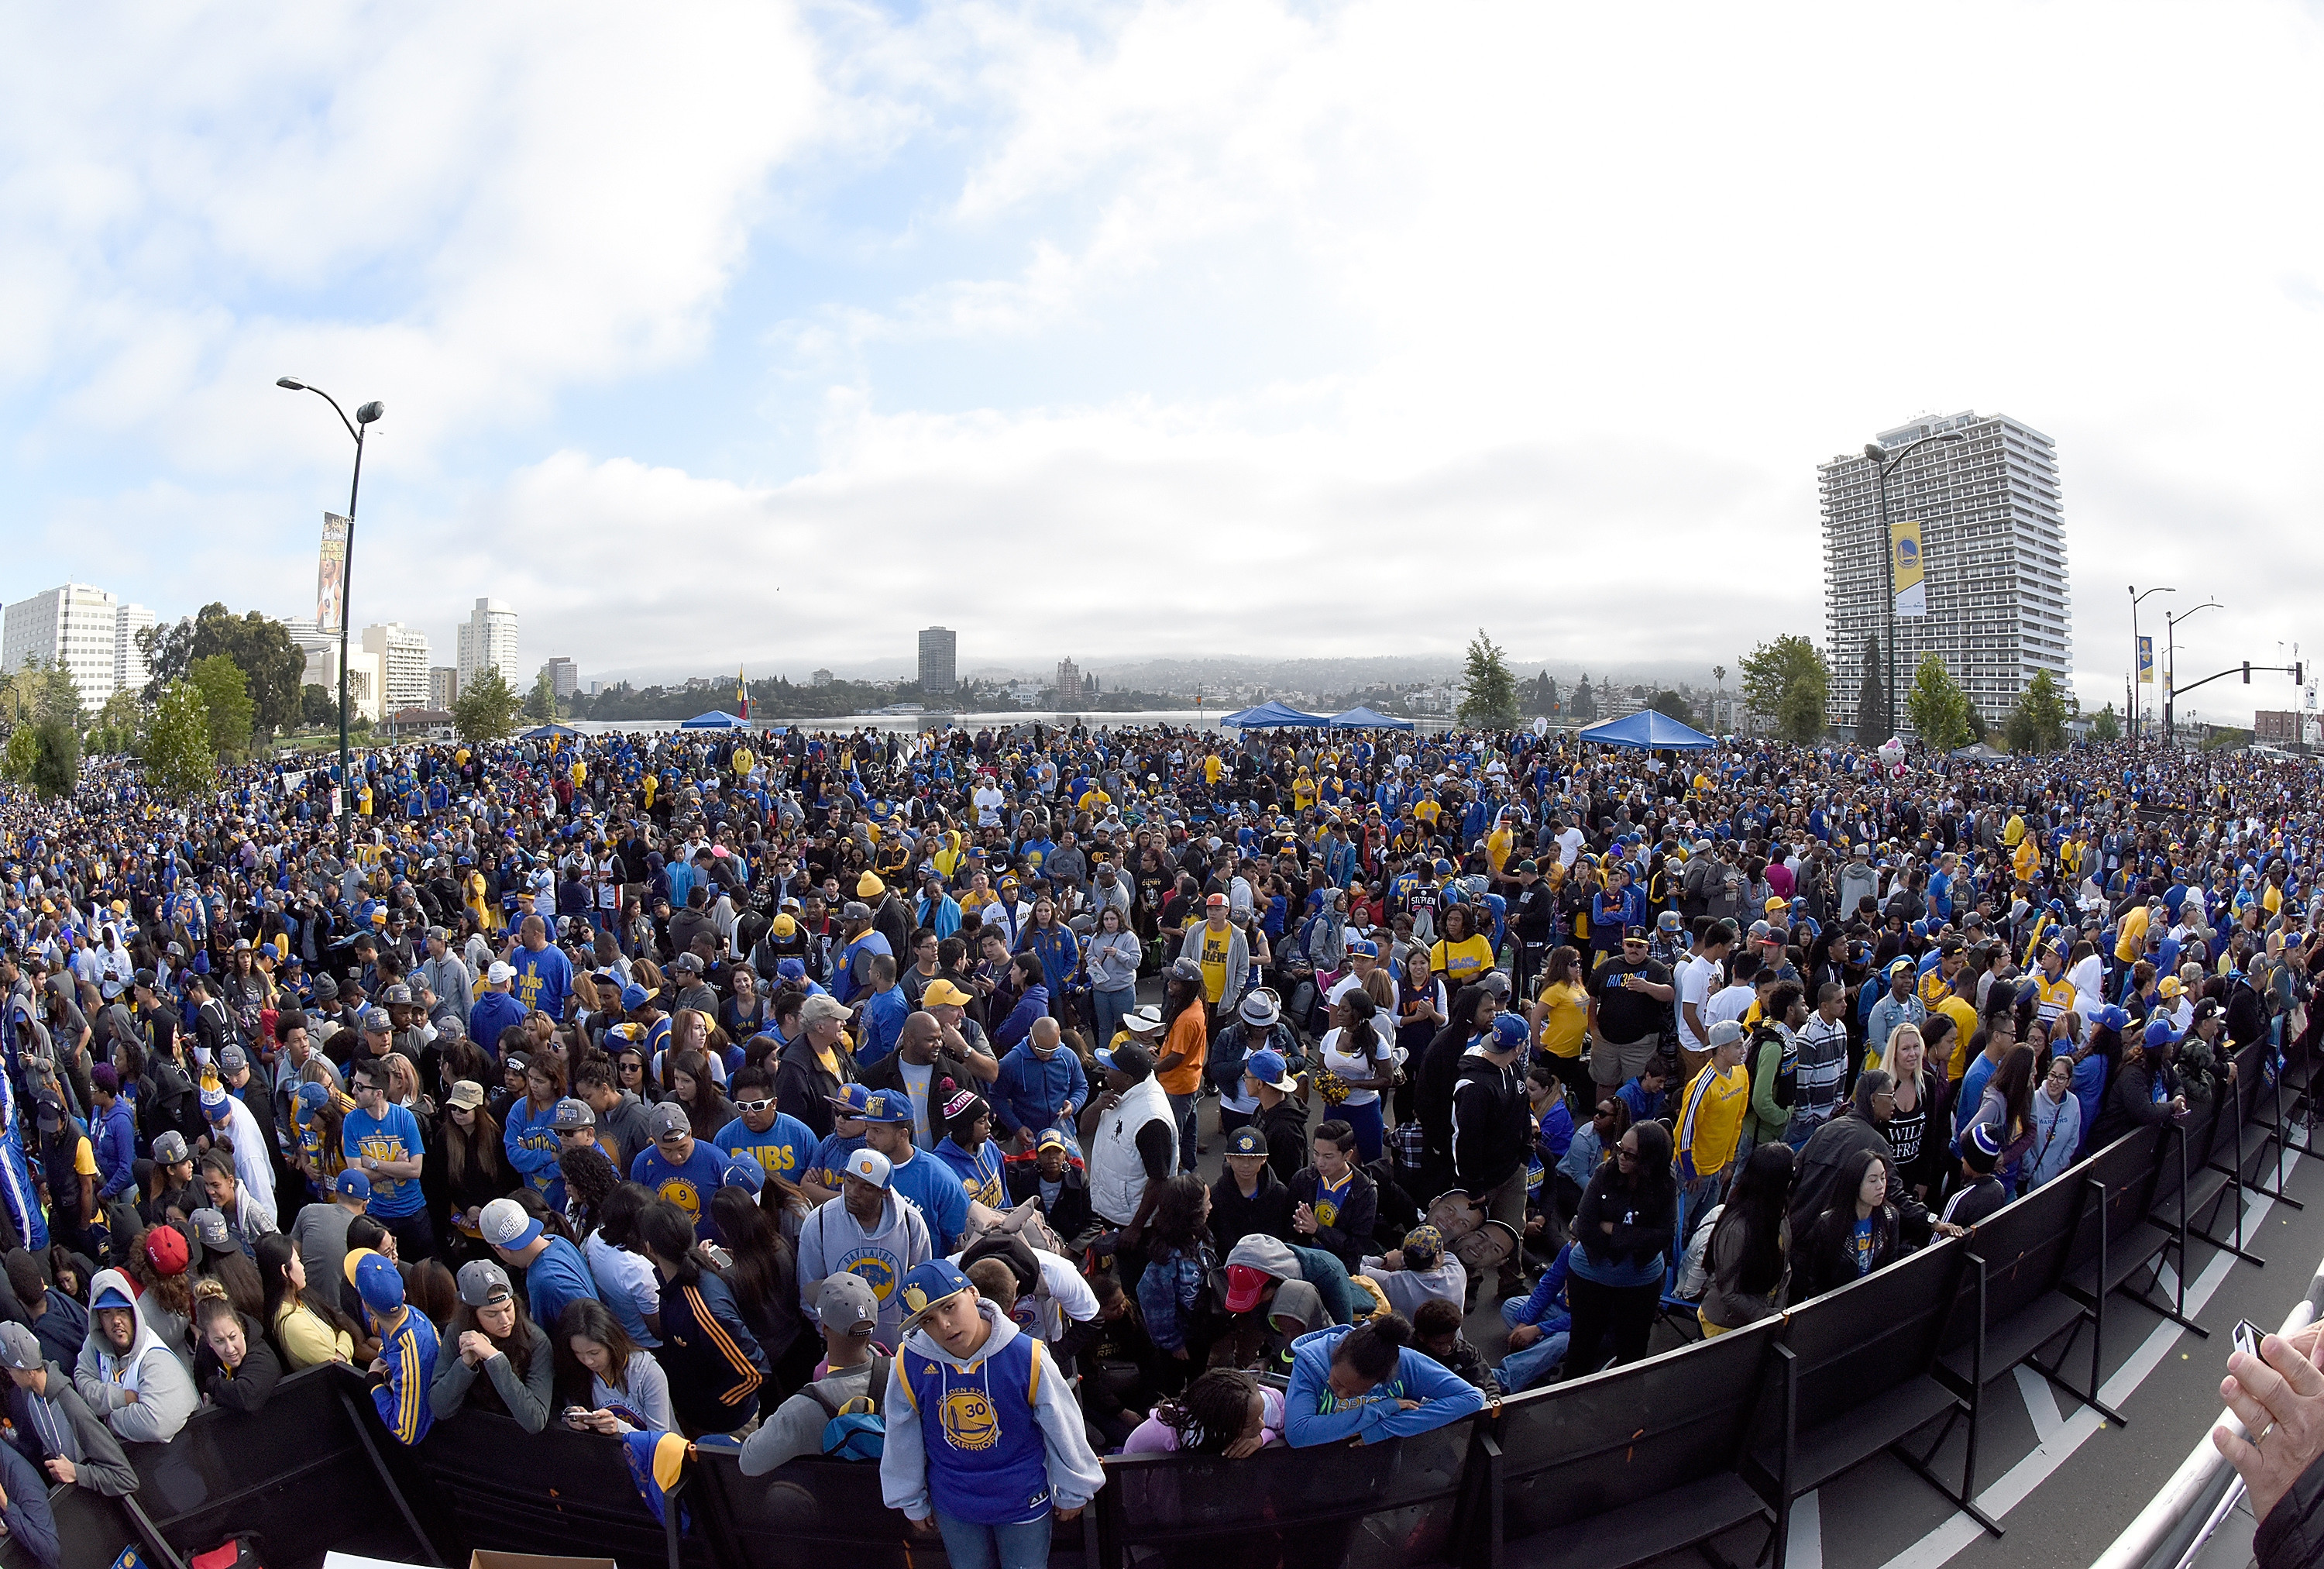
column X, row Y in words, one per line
column 979, row 1104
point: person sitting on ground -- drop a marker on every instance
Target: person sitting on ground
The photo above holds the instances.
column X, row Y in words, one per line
column 1436, row 1334
column 1420, row 1271
column 493, row 1334
column 1540, row 1328
column 1366, row 1382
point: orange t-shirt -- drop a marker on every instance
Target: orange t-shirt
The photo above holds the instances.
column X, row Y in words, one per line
column 1189, row 1033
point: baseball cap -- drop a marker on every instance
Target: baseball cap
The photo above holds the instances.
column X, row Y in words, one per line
column 1051, row 1138
column 353, row 1184
column 1363, row 947
column 821, row 1007
column 482, row 1281
column 466, row 1093
column 1269, row 1068
column 210, row 1227
column 668, row 1120
column 2159, row 1031
column 376, row 1279
column 166, row 1249
column 1634, row 934
column 1899, row 966
column 50, row 1113
column 20, row 1349
column 871, row 1167
column 1510, row 1032
column 505, row 1224
column 169, row 1147
column 943, row 994
column 1424, row 1246
column 929, row 1287
column 850, row 1100
column 886, row 1107
column 1725, row 1032
column 499, row 972
column 232, row 1059
column 571, row 1114
column 633, row 997
column 377, row 1022
column 847, row 1304
column 1244, row 1141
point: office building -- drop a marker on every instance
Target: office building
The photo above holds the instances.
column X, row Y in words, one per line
column 564, row 678
column 1992, row 552
column 366, row 677
column 130, row 670
column 75, row 626
column 402, row 652
column 488, row 641
column 820, row 678
column 1070, row 693
column 939, row 657
column 443, row 686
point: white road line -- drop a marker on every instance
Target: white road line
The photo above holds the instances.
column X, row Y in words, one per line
column 1804, row 1549
column 2052, row 1450
column 2041, row 1404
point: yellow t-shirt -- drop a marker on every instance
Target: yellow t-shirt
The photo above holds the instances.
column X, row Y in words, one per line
column 1213, row 768
column 1711, row 1122
column 1463, row 962
column 1498, row 845
column 1212, row 957
column 1564, row 1018
column 2132, row 936
column 2056, row 996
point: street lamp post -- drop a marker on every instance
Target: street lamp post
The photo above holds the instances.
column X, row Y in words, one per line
column 2171, row 665
column 2134, row 597
column 1882, row 466
column 365, row 415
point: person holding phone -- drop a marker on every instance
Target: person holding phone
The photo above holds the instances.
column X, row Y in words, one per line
column 2277, row 1392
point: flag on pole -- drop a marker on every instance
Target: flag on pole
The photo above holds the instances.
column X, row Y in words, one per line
column 741, row 694
column 330, row 573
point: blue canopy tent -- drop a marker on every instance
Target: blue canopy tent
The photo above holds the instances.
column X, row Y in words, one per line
column 1649, row 730
column 1273, row 716
column 717, row 719
column 549, row 732
column 1362, row 718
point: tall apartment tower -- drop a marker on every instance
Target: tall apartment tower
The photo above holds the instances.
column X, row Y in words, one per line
column 1071, row 698
column 564, row 678
column 130, row 670
column 939, row 658
column 443, row 686
column 488, row 641
column 74, row 626
column 402, row 652
column 1992, row 553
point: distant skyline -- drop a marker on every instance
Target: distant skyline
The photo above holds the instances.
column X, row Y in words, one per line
column 766, row 336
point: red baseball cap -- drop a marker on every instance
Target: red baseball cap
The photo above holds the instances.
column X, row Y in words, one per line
column 1244, row 1285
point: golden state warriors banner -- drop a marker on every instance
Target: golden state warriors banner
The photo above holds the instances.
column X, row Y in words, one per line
column 2146, row 662
column 1912, row 593
column 330, row 573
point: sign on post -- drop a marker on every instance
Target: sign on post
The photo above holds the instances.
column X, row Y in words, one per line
column 330, row 573
column 1911, row 593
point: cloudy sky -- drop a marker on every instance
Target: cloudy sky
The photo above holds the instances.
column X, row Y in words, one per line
column 768, row 333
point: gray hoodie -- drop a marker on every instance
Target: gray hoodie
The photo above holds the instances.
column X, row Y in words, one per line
column 1074, row 1473
column 163, row 1389
column 832, row 1240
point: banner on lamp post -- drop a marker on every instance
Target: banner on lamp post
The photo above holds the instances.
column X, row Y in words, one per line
column 2146, row 662
column 331, row 573
column 1911, row 593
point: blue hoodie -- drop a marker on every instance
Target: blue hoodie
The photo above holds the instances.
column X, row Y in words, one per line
column 116, row 1150
column 1313, row 1415
column 1033, row 1094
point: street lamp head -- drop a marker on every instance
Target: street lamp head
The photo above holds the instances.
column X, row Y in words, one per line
column 1875, row 451
column 295, row 386
column 369, row 412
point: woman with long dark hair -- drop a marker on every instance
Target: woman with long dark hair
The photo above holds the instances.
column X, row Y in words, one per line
column 1354, row 1050
column 470, row 1161
column 713, row 1360
column 1172, row 1291
column 1857, row 1233
column 616, row 1383
column 1750, row 1244
column 1621, row 1240
column 1226, row 1412
column 707, row 1109
column 491, row 1335
column 308, row 1328
column 2145, row 1088
column 764, row 1279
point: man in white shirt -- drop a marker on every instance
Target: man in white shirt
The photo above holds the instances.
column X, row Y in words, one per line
column 1700, row 976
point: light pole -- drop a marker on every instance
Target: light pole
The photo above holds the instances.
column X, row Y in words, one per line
column 2171, row 665
column 364, row 417
column 2134, row 597
column 1882, row 466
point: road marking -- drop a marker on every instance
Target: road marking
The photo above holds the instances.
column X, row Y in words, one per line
column 1805, row 1547
column 2053, row 1450
column 2041, row 1404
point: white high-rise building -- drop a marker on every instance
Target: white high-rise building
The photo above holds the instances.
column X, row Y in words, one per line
column 443, row 687
column 1993, row 556
column 939, row 656
column 130, row 670
column 488, row 641
column 402, row 650
column 75, row 626
column 564, row 678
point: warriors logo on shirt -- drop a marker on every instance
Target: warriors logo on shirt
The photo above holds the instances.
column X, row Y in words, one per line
column 681, row 1193
column 879, row 1272
column 968, row 1421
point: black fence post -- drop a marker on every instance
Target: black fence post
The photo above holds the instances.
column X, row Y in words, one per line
column 387, row 1480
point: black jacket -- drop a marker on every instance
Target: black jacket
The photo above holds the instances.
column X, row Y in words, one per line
column 1266, row 1212
column 2292, row 1535
column 1493, row 1124
column 1070, row 1216
column 1349, row 1237
column 1827, row 1150
column 1284, row 1128
column 803, row 1089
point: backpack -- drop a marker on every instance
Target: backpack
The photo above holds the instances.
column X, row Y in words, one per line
column 1787, row 1069
column 857, row 1429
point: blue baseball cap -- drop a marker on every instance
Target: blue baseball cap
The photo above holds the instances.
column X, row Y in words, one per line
column 633, row 997
column 886, row 1106
column 1269, row 1068
column 929, row 1287
column 353, row 1184
column 851, row 1100
column 743, row 1171
column 2112, row 1017
column 313, row 1096
column 2159, row 1031
column 1365, row 947
column 1510, row 1032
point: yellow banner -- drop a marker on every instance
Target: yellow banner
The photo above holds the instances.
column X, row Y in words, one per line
column 330, row 573
column 2146, row 662
column 1904, row 544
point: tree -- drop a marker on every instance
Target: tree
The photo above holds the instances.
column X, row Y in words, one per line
column 117, row 724
column 2106, row 725
column 1788, row 680
column 540, row 703
column 487, row 708
column 180, row 758
column 1585, row 701
column 43, row 749
column 1872, row 723
column 2038, row 722
column 272, row 666
column 1539, row 695
column 1938, row 707
column 1671, row 703
column 319, row 706
column 225, row 703
column 1488, row 693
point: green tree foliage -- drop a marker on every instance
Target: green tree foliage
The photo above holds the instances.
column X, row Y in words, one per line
column 1488, row 693
column 180, row 758
column 1539, row 696
column 43, row 748
column 540, row 703
column 2106, row 725
column 1584, row 706
column 119, row 725
column 318, row 707
column 1671, row 703
column 1940, row 710
column 2038, row 722
column 487, row 708
column 272, row 666
column 1788, row 680
column 1872, row 722
column 225, row 703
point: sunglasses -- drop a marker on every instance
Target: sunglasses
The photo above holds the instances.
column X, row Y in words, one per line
column 752, row 1105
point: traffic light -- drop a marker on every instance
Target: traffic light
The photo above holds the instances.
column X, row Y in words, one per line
column 2299, row 669
column 2247, row 672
